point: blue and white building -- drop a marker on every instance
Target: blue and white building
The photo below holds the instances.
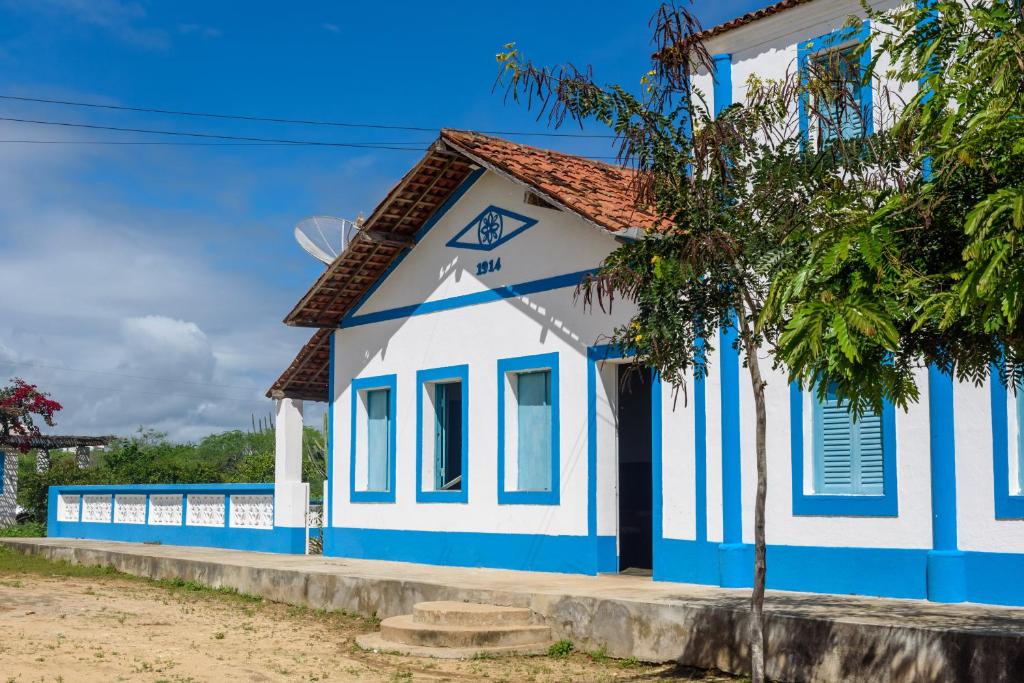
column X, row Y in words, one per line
column 477, row 418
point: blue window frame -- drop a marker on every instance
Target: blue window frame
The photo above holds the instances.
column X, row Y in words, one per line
column 528, row 430
column 834, row 54
column 373, row 437
column 861, row 484
column 1009, row 490
column 442, row 435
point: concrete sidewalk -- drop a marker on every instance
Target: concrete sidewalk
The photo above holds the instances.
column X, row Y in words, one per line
column 811, row 637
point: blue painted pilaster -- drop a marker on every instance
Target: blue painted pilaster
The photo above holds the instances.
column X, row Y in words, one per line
column 734, row 570
column 732, row 554
column 700, row 452
column 947, row 573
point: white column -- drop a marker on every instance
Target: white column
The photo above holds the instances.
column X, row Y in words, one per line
column 290, row 493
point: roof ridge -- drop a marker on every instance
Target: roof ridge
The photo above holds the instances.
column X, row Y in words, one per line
column 554, row 152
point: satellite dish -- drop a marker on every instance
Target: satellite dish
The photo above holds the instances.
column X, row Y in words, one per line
column 324, row 237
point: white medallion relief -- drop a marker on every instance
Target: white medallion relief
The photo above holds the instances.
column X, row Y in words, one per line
column 96, row 507
column 68, row 505
column 205, row 510
column 165, row 509
column 252, row 512
column 130, row 508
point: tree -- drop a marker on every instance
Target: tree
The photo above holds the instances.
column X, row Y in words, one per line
column 941, row 256
column 738, row 195
column 19, row 401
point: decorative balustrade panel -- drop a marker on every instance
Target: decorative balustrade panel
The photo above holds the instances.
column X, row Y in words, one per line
column 97, row 507
column 165, row 509
column 252, row 511
column 222, row 515
column 204, row 510
column 68, row 507
column 129, row 508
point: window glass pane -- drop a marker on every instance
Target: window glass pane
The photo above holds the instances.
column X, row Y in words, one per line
column 840, row 102
column 448, row 436
column 533, row 391
column 378, row 435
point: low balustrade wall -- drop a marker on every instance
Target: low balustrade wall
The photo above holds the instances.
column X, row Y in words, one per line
column 238, row 516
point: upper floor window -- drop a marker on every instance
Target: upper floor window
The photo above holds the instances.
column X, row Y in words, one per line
column 839, row 102
column 848, row 454
column 837, row 105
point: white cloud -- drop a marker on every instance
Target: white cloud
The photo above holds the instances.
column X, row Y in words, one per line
column 131, row 315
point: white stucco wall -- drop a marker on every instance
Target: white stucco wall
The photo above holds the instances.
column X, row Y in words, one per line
column 479, row 335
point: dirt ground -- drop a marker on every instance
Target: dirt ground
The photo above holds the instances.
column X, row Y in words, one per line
column 65, row 623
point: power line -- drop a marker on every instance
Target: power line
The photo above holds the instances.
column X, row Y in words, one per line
column 192, row 134
column 122, row 374
column 147, row 142
column 180, row 143
column 272, row 119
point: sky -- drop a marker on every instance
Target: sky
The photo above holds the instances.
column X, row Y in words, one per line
column 144, row 285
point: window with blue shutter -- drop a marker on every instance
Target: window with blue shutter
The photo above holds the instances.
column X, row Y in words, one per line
column 533, row 395
column 849, row 456
column 528, row 430
column 839, row 105
column 839, row 102
column 373, row 433
column 442, row 429
column 448, row 436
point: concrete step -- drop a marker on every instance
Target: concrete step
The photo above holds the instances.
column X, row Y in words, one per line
column 376, row 643
column 454, row 613
column 405, row 630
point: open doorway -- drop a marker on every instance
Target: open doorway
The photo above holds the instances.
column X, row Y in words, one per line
column 635, row 472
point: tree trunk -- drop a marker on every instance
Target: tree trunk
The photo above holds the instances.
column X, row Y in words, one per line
column 757, row 634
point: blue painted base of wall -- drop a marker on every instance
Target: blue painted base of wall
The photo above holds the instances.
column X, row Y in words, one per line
column 277, row 540
column 565, row 554
column 855, row 571
column 607, row 555
column 884, row 572
column 735, row 561
column 947, row 575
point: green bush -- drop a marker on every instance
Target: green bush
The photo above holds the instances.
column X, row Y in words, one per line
column 562, row 648
column 24, row 530
column 148, row 457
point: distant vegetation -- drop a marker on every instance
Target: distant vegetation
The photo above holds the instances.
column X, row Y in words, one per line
column 148, row 457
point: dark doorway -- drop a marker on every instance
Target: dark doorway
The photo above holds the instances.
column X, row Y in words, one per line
column 635, row 485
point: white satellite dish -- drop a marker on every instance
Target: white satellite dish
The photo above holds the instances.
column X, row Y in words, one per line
column 324, row 237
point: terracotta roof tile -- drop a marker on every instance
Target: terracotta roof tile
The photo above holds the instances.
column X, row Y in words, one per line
column 599, row 192
column 748, row 18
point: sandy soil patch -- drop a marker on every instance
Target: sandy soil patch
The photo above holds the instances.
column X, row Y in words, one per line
column 114, row 628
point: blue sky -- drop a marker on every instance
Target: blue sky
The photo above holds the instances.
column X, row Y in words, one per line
column 149, row 282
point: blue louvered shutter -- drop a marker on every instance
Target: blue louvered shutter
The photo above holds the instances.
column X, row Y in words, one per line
column 848, row 455
column 378, row 437
column 868, row 452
